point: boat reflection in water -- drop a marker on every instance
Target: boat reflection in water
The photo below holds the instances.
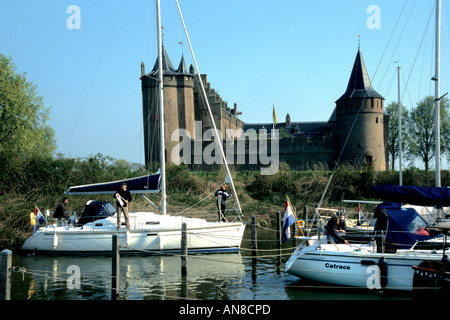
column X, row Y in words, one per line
column 151, row 277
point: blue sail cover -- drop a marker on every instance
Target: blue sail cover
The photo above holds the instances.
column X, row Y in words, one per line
column 421, row 196
column 404, row 226
column 143, row 184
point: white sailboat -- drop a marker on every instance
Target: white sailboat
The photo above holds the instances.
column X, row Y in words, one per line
column 381, row 265
column 149, row 232
column 401, row 239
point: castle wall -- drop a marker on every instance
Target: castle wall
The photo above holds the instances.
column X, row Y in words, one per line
column 304, row 153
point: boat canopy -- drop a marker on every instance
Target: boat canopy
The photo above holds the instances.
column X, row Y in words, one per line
column 144, row 184
column 95, row 210
column 421, row 196
column 403, row 226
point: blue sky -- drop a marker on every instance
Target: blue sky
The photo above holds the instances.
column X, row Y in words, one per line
column 295, row 54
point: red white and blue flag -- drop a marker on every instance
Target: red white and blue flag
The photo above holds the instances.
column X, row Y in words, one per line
column 38, row 217
column 288, row 219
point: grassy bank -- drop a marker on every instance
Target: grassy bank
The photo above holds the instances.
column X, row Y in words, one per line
column 192, row 194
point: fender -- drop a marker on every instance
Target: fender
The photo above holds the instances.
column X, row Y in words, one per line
column 383, row 272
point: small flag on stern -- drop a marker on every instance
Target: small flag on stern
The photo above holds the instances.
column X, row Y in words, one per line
column 361, row 216
column 39, row 218
column 288, row 219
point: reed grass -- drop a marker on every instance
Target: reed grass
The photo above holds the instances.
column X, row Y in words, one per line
column 259, row 195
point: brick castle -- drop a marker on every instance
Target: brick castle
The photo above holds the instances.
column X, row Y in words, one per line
column 355, row 133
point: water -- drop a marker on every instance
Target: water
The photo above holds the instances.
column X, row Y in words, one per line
column 227, row 276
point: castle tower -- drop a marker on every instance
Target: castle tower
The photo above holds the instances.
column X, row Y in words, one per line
column 360, row 122
column 178, row 107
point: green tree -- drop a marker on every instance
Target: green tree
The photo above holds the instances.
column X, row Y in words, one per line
column 421, row 128
column 23, row 116
column 394, row 150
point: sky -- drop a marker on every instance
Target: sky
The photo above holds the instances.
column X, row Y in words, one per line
column 294, row 54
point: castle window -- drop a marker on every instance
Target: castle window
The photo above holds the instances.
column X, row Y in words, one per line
column 368, row 160
column 376, row 120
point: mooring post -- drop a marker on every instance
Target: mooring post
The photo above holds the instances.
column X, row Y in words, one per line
column 278, row 230
column 183, row 249
column 115, row 266
column 5, row 272
column 254, row 240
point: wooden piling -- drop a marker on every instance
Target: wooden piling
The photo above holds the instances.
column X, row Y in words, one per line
column 254, row 237
column 115, row 266
column 293, row 229
column 278, row 230
column 5, row 272
column 183, row 249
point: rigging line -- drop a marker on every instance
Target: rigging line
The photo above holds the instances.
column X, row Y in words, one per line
column 406, row 89
column 146, row 30
column 394, row 74
column 398, row 41
column 390, row 38
column 340, row 154
column 177, row 214
column 415, row 59
column 423, row 64
column 90, row 86
column 93, row 78
column 418, row 50
column 218, row 138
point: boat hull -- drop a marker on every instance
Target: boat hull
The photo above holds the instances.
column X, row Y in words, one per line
column 342, row 265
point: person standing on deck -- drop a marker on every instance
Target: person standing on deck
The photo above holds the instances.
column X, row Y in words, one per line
column 222, row 195
column 60, row 211
column 123, row 197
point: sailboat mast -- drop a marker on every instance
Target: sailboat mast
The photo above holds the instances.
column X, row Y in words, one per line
column 400, row 169
column 161, row 110
column 437, row 98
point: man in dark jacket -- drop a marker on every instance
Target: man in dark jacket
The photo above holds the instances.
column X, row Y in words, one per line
column 222, row 196
column 123, row 197
column 333, row 226
column 60, row 211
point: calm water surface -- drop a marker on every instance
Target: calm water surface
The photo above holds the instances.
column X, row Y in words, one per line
column 230, row 276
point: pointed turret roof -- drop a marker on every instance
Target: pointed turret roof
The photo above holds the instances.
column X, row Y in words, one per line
column 167, row 65
column 182, row 67
column 359, row 85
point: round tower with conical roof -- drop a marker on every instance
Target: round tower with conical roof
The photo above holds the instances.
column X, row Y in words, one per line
column 178, row 107
column 360, row 123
